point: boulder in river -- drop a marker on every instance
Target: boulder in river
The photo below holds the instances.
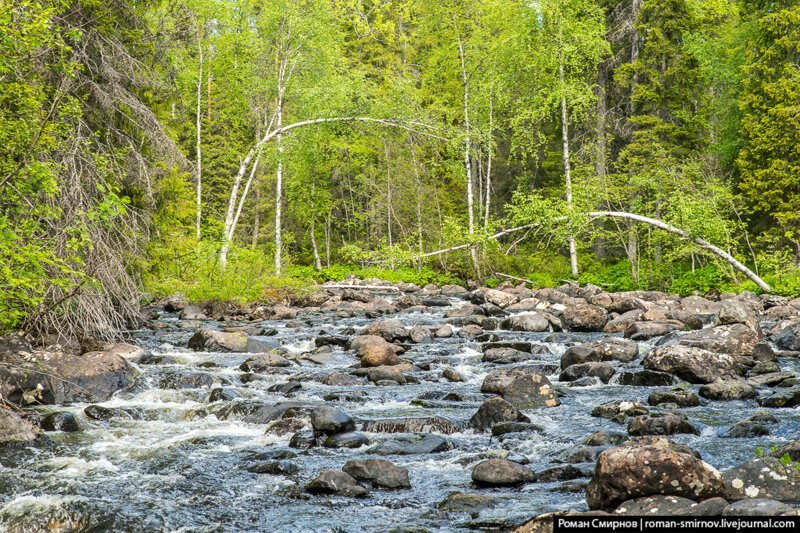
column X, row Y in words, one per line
column 374, row 350
column 693, row 364
column 379, row 472
column 679, row 397
column 642, row 331
column 731, row 339
column 660, row 424
column 619, row 410
column 15, row 430
column 529, row 391
column 728, row 388
column 501, row 473
column 493, row 411
column 763, row 477
column 423, row 424
column 651, row 466
column 527, row 322
column 584, row 317
column 336, row 482
column 330, row 420
column 602, row 371
column 414, row 444
column 209, row 340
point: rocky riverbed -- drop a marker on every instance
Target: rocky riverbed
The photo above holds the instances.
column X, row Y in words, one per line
column 383, row 407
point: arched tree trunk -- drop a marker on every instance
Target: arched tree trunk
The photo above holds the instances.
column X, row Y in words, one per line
column 594, row 215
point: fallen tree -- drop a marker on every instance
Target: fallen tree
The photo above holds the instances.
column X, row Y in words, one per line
column 595, row 215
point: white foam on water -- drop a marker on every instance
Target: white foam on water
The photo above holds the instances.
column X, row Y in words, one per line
column 23, row 505
column 76, row 467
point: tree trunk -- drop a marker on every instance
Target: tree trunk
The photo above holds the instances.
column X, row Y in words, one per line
column 467, row 142
column 594, row 215
column 257, row 221
column 277, row 133
column 279, row 195
column 489, row 165
column 199, row 120
column 253, row 171
column 573, row 252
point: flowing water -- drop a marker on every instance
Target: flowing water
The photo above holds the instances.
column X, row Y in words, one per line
column 172, row 461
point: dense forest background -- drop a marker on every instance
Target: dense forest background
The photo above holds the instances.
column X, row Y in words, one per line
column 151, row 147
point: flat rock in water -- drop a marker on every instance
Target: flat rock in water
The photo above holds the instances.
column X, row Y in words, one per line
column 421, row 443
column 379, row 472
column 336, row 482
column 501, row 473
column 428, row 424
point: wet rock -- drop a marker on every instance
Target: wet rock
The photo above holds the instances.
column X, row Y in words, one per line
column 192, row 312
column 655, row 506
column 470, row 331
column 332, row 340
column 386, row 373
column 504, row 428
column 738, row 312
column 769, row 380
column 619, row 410
column 346, row 440
column 526, row 322
column 63, row 421
column 420, row 335
column 443, row 332
column 788, row 339
column 611, row 349
column 647, row 467
column 728, row 388
column 263, row 363
column 660, row 424
column 746, row 429
column 505, row 356
column 622, row 322
column 303, row 439
column 174, row 303
column 679, row 397
column 581, row 454
column 692, row 364
column 284, row 312
column 130, row 352
column 330, row 420
column 561, row 473
column 428, row 424
column 646, row 378
column 336, row 482
column 15, row 430
column 465, row 311
column 757, row 507
column 584, row 318
column 789, row 398
column 732, row 339
column 460, row 502
column 528, row 391
column 642, row 331
column 494, row 411
column 765, row 477
column 421, row 443
column 391, row 330
column 287, row 389
column 207, row 340
column 182, row 380
column 98, row 412
column 341, row 379
column 374, row 351
column 603, row 438
column 274, row 468
column 602, row 371
column 454, row 291
column 451, row 375
column 285, row 426
column 380, row 473
column 501, row 473
column 501, row 299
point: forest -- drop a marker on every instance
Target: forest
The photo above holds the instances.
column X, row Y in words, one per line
column 230, row 150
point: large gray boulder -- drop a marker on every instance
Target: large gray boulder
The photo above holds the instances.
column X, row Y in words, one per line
column 651, row 466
